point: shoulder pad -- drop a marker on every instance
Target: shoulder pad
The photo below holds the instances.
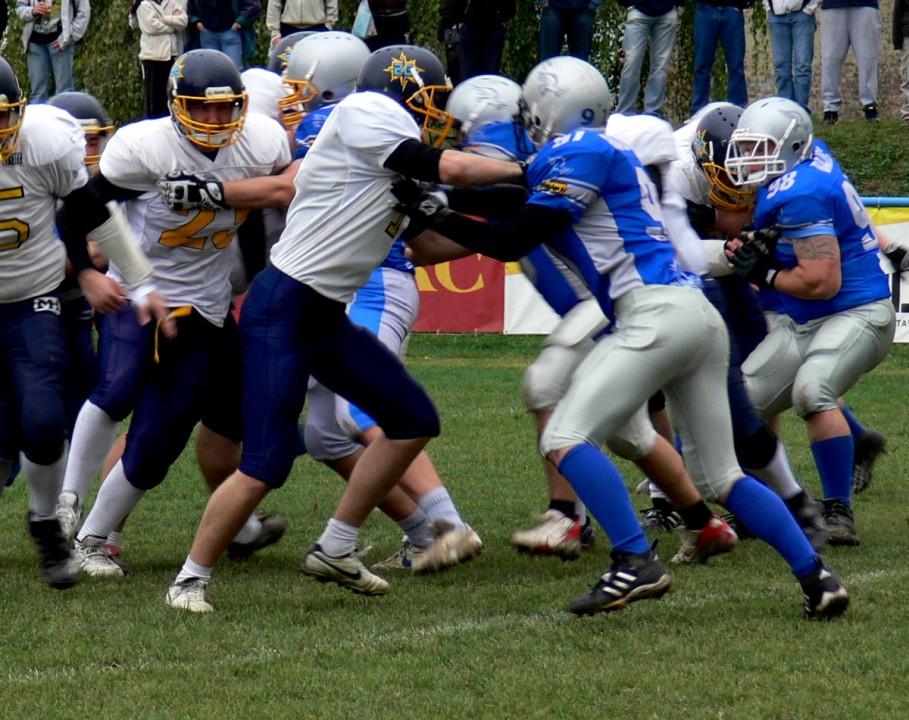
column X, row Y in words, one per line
column 49, row 135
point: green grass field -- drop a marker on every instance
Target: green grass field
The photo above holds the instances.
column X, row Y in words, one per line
column 491, row 639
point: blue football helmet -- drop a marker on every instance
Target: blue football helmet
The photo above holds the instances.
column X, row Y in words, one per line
column 206, row 77
column 414, row 77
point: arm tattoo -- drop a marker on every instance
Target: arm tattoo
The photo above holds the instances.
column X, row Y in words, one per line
column 816, row 247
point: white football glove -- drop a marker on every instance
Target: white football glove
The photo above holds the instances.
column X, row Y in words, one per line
column 185, row 191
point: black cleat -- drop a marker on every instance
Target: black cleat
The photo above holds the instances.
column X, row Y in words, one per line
column 825, row 596
column 58, row 566
column 630, row 578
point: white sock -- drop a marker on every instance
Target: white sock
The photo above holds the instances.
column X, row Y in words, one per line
column 338, row 538
column 43, row 486
column 417, row 529
column 250, row 531
column 580, row 512
column 116, row 499
column 93, row 437
column 778, row 475
column 438, row 505
column 192, row 570
column 655, row 492
column 115, row 539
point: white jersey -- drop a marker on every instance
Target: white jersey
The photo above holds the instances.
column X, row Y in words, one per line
column 342, row 222
column 654, row 142
column 48, row 163
column 185, row 247
column 684, row 176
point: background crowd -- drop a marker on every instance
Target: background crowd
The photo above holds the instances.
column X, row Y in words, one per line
column 645, row 39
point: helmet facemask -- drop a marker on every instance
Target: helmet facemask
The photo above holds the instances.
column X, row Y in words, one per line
column 424, row 105
column 9, row 135
column 210, row 136
column 94, row 129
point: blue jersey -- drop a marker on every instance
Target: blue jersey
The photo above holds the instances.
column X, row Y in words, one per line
column 560, row 288
column 617, row 241
column 309, row 128
column 307, row 131
column 816, row 198
column 503, row 140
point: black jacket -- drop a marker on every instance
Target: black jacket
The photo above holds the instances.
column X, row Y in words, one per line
column 476, row 12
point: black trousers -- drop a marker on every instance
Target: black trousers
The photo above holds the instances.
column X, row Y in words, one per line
column 156, row 73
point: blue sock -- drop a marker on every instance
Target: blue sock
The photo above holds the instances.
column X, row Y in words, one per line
column 855, row 427
column 601, row 488
column 834, row 459
column 766, row 515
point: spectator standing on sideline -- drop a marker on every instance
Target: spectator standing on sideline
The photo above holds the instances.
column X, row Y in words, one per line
column 719, row 22
column 792, row 25
column 481, row 31
column 220, row 24
column 656, row 22
column 900, row 33
column 4, row 18
column 285, row 17
column 855, row 23
column 391, row 21
column 49, row 36
column 161, row 24
column 567, row 19
column 449, row 35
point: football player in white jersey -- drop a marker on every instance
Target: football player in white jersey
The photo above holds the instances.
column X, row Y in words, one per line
column 319, row 72
column 294, row 323
column 593, row 204
column 42, row 159
column 168, row 384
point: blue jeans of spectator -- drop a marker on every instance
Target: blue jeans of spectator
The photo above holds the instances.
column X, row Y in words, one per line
column 660, row 32
column 713, row 26
column 481, row 49
column 42, row 61
column 792, row 38
column 556, row 25
column 228, row 41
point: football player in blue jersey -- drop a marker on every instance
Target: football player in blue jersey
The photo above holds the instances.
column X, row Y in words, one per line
column 593, row 204
column 838, row 321
column 484, row 108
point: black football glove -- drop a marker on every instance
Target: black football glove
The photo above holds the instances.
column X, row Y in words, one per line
column 425, row 205
column 755, row 266
column 764, row 240
column 185, row 191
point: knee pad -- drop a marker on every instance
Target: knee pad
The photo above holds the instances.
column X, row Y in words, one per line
column 656, row 402
column 325, row 443
column 755, row 451
column 635, row 439
column 812, row 395
column 42, row 452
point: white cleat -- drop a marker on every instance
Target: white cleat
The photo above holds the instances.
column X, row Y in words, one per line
column 190, row 595
column 94, row 558
column 451, row 547
column 69, row 515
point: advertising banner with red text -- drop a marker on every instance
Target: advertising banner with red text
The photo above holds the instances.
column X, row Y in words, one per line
column 466, row 295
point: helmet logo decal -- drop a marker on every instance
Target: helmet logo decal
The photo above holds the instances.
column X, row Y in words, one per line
column 549, row 84
column 404, row 71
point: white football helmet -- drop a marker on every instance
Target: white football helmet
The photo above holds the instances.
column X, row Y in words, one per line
column 772, row 136
column 322, row 68
column 483, row 100
column 563, row 94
